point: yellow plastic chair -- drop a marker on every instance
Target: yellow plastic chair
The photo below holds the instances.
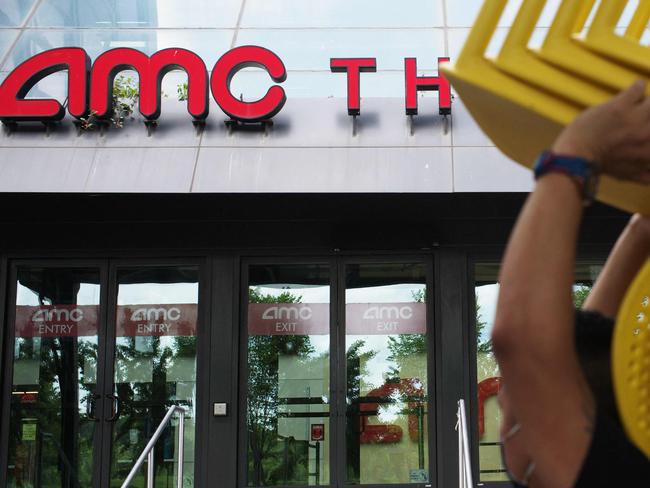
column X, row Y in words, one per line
column 562, row 49
column 639, row 21
column 516, row 59
column 521, row 119
column 601, row 37
column 631, row 361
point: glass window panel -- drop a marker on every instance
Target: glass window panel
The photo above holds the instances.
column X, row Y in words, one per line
column 7, row 37
column 155, row 368
column 486, row 290
column 208, row 44
column 287, row 409
column 137, row 13
column 14, row 12
column 342, row 13
column 54, row 377
column 457, row 39
column 463, row 13
column 386, row 362
column 312, row 49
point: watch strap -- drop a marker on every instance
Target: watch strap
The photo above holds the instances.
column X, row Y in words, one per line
column 583, row 171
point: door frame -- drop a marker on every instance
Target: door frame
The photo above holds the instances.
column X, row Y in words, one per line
column 106, row 352
column 337, row 264
column 7, row 380
column 203, row 346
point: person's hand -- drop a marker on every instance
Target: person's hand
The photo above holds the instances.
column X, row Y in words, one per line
column 615, row 135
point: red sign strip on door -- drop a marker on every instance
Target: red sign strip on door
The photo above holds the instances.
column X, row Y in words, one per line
column 82, row 320
column 313, row 318
column 180, row 319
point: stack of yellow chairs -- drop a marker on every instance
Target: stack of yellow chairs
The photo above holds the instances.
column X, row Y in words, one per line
column 523, row 97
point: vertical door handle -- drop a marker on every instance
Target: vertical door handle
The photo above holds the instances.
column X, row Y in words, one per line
column 115, row 408
column 91, row 403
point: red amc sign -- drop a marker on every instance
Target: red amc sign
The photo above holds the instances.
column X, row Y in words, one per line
column 82, row 320
column 313, row 319
column 90, row 85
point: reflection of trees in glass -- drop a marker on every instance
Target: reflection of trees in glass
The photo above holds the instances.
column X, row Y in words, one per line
column 144, row 400
column 580, row 293
column 482, row 345
column 355, row 358
column 356, row 361
column 272, row 460
column 61, row 433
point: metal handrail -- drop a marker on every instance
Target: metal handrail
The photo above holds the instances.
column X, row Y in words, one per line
column 464, row 460
column 148, row 450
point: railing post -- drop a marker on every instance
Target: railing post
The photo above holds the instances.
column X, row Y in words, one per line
column 150, row 469
column 461, row 470
column 464, row 460
column 181, row 447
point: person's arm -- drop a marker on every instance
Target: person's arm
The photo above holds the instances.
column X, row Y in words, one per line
column 628, row 255
column 533, row 333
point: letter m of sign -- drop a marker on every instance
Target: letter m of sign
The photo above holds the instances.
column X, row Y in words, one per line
column 151, row 71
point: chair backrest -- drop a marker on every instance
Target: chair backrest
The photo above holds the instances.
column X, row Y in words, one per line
column 631, row 360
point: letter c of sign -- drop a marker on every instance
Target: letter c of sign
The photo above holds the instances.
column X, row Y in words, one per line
column 406, row 313
column 230, row 64
column 305, row 313
column 76, row 315
column 174, row 313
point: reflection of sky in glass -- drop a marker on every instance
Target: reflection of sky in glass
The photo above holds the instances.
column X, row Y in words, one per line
column 486, row 299
column 378, row 367
column 158, row 293
column 305, row 34
column 13, row 12
column 401, row 293
column 136, row 13
column 88, row 294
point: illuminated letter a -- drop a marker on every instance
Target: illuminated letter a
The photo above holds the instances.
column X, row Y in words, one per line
column 14, row 107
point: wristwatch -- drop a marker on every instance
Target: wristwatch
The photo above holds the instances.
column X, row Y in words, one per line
column 583, row 171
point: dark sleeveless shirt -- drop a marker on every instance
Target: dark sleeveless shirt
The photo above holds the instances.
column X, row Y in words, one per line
column 612, row 460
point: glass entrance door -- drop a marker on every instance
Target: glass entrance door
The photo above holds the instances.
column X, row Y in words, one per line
column 53, row 413
column 154, row 369
column 386, row 344
column 96, row 356
column 337, row 367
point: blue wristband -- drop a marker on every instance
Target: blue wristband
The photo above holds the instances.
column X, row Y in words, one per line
column 581, row 170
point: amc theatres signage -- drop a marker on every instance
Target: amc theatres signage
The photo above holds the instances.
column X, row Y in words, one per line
column 82, row 320
column 90, row 84
column 313, row 319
